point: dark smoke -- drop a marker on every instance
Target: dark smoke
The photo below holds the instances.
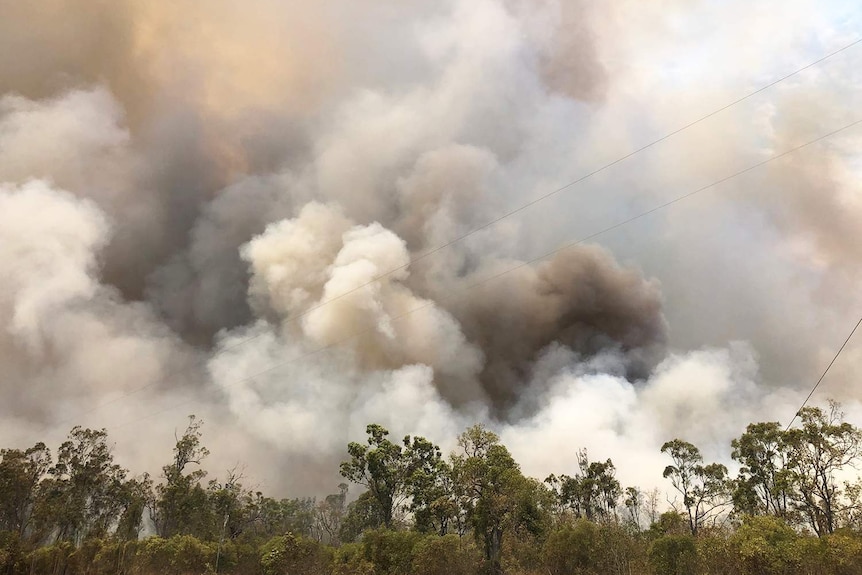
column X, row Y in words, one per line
column 182, row 185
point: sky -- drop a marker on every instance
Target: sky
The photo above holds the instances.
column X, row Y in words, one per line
column 278, row 217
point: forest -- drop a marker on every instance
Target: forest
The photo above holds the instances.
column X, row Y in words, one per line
column 406, row 508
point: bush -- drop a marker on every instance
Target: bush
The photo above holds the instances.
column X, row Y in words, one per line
column 350, row 560
column 51, row 558
column 115, row 557
column 618, row 551
column 673, row 555
column 716, row 554
column 447, row 555
column 570, row 549
column 843, row 553
column 11, row 552
column 291, row 554
column 763, row 545
column 391, row 552
column 179, row 555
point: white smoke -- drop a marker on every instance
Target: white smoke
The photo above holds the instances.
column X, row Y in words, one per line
column 184, row 208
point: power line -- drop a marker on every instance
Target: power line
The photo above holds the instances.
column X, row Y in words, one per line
column 823, row 375
column 523, row 264
column 445, row 245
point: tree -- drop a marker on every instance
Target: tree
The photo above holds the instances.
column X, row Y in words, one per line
column 764, row 485
column 362, row 515
column 704, row 488
column 390, row 472
column 234, row 508
column 20, row 473
column 84, row 492
column 817, row 452
column 135, row 495
column 270, row 517
column 181, row 505
column 634, row 502
column 498, row 496
column 592, row 493
column 431, row 488
column 329, row 515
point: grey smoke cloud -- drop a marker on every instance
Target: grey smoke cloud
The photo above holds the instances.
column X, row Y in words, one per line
column 185, row 186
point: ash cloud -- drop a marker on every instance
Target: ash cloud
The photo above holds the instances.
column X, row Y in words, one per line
column 188, row 191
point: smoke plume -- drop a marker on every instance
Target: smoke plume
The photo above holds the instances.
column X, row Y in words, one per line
column 274, row 215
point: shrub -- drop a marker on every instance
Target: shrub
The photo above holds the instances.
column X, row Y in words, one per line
column 570, row 549
column 391, row 552
column 350, row 560
column 289, row 554
column 178, row 555
column 447, row 555
column 673, row 555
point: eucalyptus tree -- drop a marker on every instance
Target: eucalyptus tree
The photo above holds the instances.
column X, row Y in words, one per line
column 84, row 492
column 593, row 493
column 20, row 473
column 818, row 451
column 765, row 484
column 705, row 489
column 393, row 474
column 181, row 504
column 497, row 497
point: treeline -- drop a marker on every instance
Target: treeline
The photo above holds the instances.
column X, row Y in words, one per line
column 794, row 507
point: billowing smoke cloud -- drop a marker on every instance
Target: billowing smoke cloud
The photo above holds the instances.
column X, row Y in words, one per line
column 244, row 210
column 67, row 335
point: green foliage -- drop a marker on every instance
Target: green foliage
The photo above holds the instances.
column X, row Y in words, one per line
column 793, row 473
column 381, row 468
column 764, row 485
column 818, row 451
column 763, row 545
column 84, row 492
column 431, row 489
column 705, row 489
column 177, row 555
column 51, row 558
column 634, row 503
column 392, row 473
column 329, row 515
column 390, row 552
column 181, row 505
column 592, row 493
column 20, row 473
column 570, row 548
column 11, row 552
column 350, row 560
column 266, row 517
column 793, row 513
column 294, row 554
column 620, row 550
column 585, row 548
column 496, row 496
column 673, row 555
column 716, row 554
column 362, row 515
column 447, row 555
column 669, row 522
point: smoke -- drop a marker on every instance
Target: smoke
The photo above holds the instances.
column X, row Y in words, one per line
column 68, row 337
column 274, row 215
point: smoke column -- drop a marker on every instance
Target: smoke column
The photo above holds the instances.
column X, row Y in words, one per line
column 187, row 192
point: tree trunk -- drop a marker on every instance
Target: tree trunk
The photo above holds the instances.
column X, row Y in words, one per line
column 494, row 548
